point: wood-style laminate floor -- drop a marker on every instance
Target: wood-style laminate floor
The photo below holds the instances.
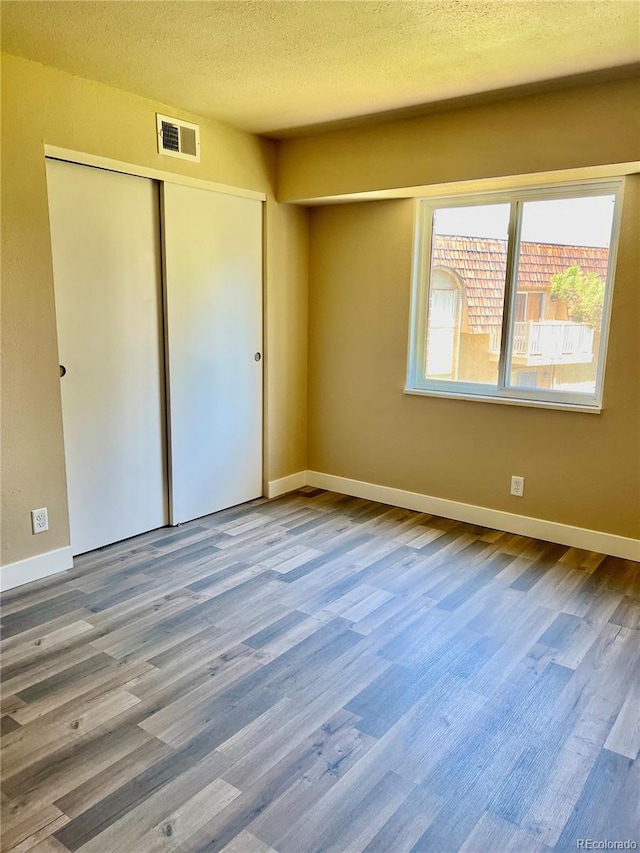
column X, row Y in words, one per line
column 322, row 673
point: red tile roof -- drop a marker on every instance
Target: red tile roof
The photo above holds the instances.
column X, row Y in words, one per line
column 480, row 263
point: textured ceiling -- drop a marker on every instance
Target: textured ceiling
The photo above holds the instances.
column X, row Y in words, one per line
column 272, row 65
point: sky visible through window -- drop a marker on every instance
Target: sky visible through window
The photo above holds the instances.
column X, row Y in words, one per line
column 568, row 221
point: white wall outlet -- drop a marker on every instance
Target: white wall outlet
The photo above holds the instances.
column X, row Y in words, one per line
column 39, row 520
column 517, row 486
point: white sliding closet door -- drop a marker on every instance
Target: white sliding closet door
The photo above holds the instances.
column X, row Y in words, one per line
column 105, row 235
column 213, row 314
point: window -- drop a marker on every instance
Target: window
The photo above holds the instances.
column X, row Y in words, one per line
column 512, row 293
column 529, row 306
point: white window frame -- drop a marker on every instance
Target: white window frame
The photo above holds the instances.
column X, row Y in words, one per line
column 417, row 383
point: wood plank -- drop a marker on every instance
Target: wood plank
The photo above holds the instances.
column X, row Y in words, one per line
column 624, row 737
column 22, row 820
column 177, row 827
column 62, row 725
column 95, row 789
column 244, row 842
column 69, row 765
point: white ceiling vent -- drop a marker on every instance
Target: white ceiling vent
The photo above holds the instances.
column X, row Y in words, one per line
column 178, row 138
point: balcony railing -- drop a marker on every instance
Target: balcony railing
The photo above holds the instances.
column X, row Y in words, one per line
column 549, row 342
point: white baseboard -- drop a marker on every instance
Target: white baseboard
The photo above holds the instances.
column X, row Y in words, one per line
column 539, row 528
column 275, row 488
column 43, row 565
column 35, row 568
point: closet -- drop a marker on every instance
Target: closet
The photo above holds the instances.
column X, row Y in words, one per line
column 158, row 290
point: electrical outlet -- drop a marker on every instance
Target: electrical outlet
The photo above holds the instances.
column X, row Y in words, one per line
column 517, row 486
column 39, row 520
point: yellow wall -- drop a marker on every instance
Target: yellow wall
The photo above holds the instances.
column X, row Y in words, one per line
column 580, row 469
column 588, row 126
column 41, row 105
column 287, row 251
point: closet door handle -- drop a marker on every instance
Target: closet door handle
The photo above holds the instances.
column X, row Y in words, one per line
column 257, row 356
column 63, row 370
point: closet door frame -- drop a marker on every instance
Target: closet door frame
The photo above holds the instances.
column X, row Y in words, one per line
column 54, row 152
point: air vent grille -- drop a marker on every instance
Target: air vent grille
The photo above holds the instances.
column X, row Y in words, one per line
column 178, row 138
column 170, row 137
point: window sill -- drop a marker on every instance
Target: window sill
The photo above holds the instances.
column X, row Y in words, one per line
column 506, row 401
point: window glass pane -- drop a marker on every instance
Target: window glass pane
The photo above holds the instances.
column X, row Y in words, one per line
column 466, row 293
column 562, row 270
